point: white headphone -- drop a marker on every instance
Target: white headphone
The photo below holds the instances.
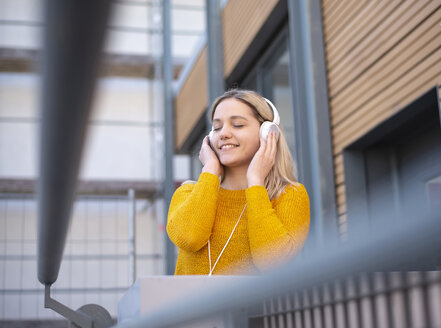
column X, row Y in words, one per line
column 266, row 126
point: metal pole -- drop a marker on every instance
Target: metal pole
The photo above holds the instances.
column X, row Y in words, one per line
column 311, row 115
column 132, row 236
column 215, row 58
column 169, row 127
column 73, row 38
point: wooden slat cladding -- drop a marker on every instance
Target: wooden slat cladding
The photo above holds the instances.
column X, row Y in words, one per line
column 378, row 43
column 342, row 43
column 380, row 55
column 344, row 15
column 242, row 19
column 418, row 45
column 419, row 79
column 191, row 100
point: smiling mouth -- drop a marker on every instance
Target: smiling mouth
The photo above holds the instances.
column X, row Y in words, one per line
column 227, row 147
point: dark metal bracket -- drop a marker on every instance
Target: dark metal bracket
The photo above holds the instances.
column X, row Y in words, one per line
column 87, row 316
column 80, row 319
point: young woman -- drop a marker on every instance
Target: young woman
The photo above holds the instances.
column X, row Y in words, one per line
column 246, row 212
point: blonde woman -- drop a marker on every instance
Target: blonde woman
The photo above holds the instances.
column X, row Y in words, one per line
column 246, row 212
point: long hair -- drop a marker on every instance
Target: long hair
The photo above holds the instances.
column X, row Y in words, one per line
column 282, row 173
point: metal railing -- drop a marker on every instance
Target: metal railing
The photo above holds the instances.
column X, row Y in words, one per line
column 369, row 281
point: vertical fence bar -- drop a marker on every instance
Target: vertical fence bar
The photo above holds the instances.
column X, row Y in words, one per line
column 289, row 311
column 394, row 287
column 328, row 313
column 169, row 126
column 132, row 236
column 298, row 314
column 434, row 296
column 426, row 299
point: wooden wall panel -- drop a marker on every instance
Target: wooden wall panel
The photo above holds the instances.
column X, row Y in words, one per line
column 415, row 48
column 242, row 19
column 344, row 15
column 361, row 24
column 381, row 55
column 192, row 100
column 375, row 45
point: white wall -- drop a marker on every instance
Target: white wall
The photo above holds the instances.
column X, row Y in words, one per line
column 124, row 140
column 135, row 26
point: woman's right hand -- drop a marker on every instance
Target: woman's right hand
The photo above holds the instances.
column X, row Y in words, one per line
column 209, row 159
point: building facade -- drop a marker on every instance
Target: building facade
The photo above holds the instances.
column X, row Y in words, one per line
column 343, row 75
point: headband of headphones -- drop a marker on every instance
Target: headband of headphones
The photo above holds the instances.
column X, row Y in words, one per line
column 276, row 119
column 275, row 112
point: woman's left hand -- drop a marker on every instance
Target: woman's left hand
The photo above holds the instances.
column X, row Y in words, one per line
column 262, row 161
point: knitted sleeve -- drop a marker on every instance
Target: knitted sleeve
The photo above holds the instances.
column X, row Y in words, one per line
column 277, row 229
column 192, row 211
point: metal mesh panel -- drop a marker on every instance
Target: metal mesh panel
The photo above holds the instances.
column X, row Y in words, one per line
column 395, row 299
column 95, row 265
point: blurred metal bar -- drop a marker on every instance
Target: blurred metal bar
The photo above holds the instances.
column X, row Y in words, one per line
column 132, row 236
column 311, row 116
column 73, row 39
column 169, row 128
column 390, row 247
column 215, row 58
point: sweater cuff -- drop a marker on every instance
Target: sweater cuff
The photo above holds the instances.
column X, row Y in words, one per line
column 209, row 178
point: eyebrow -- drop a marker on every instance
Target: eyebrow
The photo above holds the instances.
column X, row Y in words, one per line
column 235, row 117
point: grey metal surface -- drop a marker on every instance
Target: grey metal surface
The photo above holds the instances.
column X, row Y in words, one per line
column 387, row 247
column 311, row 114
column 169, row 128
column 215, row 58
column 73, row 39
column 132, row 236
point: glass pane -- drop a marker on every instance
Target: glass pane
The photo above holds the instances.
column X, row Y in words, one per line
column 277, row 88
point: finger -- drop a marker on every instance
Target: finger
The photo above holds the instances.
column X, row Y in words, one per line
column 274, row 146
column 263, row 145
column 270, row 145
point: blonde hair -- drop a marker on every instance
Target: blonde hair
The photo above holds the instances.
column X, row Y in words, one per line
column 282, row 173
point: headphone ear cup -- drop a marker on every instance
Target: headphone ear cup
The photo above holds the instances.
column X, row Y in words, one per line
column 266, row 128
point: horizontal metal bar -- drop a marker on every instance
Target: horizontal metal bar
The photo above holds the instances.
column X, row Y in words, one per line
column 72, row 241
column 158, row 5
column 62, row 291
column 84, row 257
column 115, row 28
column 386, row 248
column 90, row 190
column 13, row 119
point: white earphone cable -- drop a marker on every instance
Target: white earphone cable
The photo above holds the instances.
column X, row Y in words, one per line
column 223, row 249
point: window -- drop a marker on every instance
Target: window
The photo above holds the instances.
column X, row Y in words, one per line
column 270, row 77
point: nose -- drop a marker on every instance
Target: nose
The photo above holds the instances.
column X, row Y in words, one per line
column 225, row 132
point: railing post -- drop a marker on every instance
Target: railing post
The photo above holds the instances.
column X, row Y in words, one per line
column 169, row 126
column 132, row 236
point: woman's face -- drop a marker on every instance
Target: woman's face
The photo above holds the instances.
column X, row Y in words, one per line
column 236, row 133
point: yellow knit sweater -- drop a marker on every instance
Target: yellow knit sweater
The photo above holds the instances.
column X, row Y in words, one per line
column 269, row 231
